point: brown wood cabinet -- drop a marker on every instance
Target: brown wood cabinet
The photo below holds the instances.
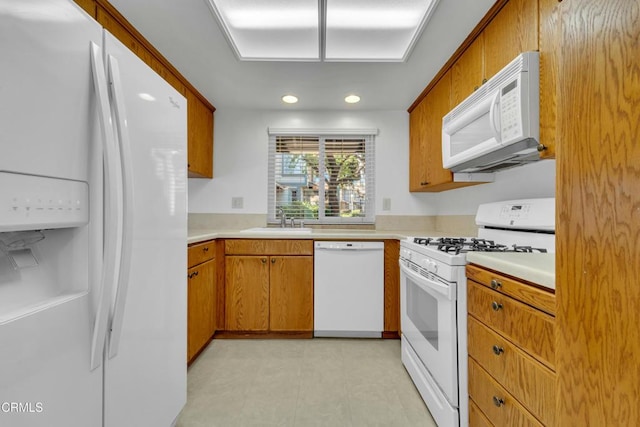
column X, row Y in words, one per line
column 598, row 214
column 512, row 31
column 199, row 111
column 511, row 343
column 199, row 137
column 426, row 172
column 510, row 28
column 201, row 297
column 247, row 293
column 269, row 285
column 467, row 73
column 549, row 42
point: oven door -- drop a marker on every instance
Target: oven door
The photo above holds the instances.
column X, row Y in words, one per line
column 428, row 323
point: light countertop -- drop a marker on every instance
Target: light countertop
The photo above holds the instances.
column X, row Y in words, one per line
column 533, row 267
column 201, row 235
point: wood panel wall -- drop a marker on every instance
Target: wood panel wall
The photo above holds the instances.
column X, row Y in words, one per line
column 598, row 214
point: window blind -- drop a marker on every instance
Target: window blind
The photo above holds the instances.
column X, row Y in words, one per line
column 321, row 178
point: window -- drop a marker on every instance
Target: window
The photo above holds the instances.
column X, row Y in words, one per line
column 321, row 178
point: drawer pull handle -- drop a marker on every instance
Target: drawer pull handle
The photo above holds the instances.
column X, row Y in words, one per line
column 498, row 401
column 495, row 284
column 496, row 306
column 192, row 275
column 497, row 350
column 206, row 249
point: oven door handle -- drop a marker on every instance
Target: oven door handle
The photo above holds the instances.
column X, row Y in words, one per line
column 430, row 285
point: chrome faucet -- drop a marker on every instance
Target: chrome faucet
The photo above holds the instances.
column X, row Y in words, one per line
column 293, row 223
column 283, row 217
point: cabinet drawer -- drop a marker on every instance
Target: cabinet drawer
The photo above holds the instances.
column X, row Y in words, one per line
column 268, row 247
column 495, row 402
column 476, row 417
column 528, row 328
column 528, row 294
column 525, row 378
column 201, row 252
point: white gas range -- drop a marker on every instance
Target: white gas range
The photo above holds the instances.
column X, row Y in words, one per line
column 434, row 304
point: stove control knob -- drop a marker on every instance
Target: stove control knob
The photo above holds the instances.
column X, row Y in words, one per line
column 433, row 267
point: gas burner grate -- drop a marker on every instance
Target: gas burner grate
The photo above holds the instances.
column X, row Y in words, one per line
column 528, row 249
column 422, row 240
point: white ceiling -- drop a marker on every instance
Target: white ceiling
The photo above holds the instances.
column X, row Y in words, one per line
column 188, row 35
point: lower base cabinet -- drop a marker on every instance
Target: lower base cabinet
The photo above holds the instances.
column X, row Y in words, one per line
column 269, row 286
column 201, row 297
column 511, row 341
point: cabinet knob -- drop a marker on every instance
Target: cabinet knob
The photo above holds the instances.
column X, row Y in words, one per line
column 496, row 306
column 475, row 88
column 498, row 401
column 541, row 147
column 273, row 260
column 484, row 81
column 495, row 284
column 264, row 260
column 497, row 350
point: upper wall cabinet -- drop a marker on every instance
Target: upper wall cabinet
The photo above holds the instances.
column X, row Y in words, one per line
column 467, row 73
column 199, row 110
column 425, row 141
column 549, row 42
column 199, row 138
column 512, row 31
column 509, row 28
column 425, row 138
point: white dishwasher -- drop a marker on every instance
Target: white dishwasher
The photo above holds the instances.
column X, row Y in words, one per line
column 348, row 289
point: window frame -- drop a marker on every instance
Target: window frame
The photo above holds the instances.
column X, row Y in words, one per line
column 368, row 136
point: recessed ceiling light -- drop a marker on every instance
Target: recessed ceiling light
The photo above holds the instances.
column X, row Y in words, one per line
column 290, row 99
column 352, row 99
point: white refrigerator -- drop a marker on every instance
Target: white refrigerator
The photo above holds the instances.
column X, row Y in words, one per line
column 93, row 226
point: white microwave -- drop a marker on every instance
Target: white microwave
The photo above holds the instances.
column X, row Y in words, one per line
column 497, row 126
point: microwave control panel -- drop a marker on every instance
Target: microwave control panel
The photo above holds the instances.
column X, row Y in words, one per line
column 510, row 111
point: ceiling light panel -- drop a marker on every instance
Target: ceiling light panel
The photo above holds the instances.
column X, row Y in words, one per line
column 271, row 30
column 374, row 30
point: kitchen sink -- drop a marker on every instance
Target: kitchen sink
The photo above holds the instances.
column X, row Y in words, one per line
column 277, row 230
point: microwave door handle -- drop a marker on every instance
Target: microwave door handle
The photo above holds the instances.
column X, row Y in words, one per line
column 492, row 116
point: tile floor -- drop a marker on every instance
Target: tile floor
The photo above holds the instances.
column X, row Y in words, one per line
column 316, row 382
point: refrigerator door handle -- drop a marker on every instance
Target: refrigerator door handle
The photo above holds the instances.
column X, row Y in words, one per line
column 112, row 202
column 117, row 97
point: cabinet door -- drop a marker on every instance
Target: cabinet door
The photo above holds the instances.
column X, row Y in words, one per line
column 291, row 293
column 246, row 293
column 513, row 30
column 417, row 147
column 200, row 306
column 438, row 102
column 425, row 139
column 467, row 73
column 199, row 138
column 549, row 50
